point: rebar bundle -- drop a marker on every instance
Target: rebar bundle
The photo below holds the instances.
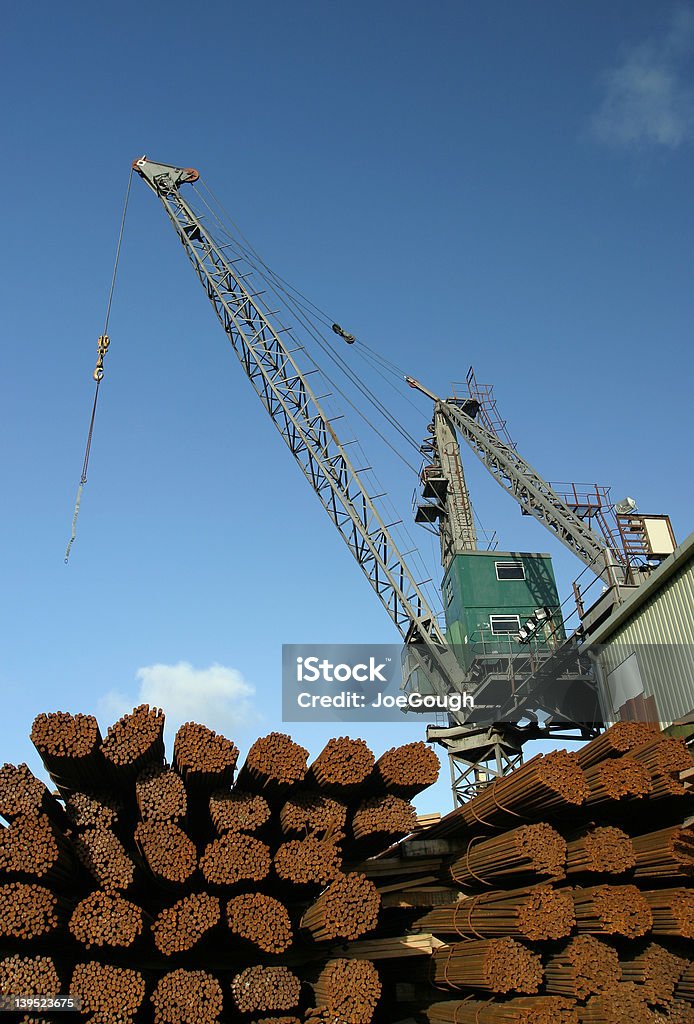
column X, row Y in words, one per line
column 612, row 910
column 105, row 858
column 107, row 992
column 134, row 741
column 235, row 858
column 238, row 811
column 309, row 861
column 619, row 739
column 187, row 997
column 204, row 759
column 624, row 1004
column 70, row 748
column 600, row 850
column 667, row 853
column 407, row 770
column 85, row 811
column 29, row 975
column 160, row 794
column 672, row 910
column 265, row 988
column 582, row 967
column 537, row 913
column 309, row 813
column 273, row 764
column 685, row 986
column 619, row 779
column 33, row 848
column 101, row 919
column 379, row 821
column 23, row 795
column 529, row 850
column 260, row 920
column 342, row 767
column 657, row 969
column 178, row 928
column 490, row 965
column 347, row 909
column 27, row 911
column 349, row 989
column 519, row 1010
column 170, row 854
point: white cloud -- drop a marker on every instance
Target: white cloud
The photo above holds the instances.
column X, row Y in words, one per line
column 646, row 101
column 218, row 697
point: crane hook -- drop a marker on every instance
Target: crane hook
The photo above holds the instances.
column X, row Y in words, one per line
column 349, row 338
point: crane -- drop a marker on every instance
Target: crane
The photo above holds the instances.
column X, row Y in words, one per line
column 271, row 363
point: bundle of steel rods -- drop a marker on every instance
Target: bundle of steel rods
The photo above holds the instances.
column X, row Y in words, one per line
column 170, row 854
column 265, row 988
column 85, row 811
column 134, row 741
column 657, row 969
column 273, row 764
column 29, row 975
column 21, row 793
column 379, row 821
column 600, row 850
column 203, row 758
column 342, row 767
column 235, row 858
column 238, row 811
column 489, row 965
column 582, row 967
column 626, row 1003
column 667, row 853
column 685, row 986
column 619, row 739
column 108, row 992
column 187, row 997
column 160, row 794
column 70, row 748
column 618, row 779
column 519, row 1010
column 347, row 909
column 526, row 851
column 178, row 928
column 28, row 911
column 672, row 911
column 33, row 847
column 105, row 858
column 309, row 861
column 260, row 920
column 536, row 913
column 308, row 813
column 101, row 919
column 407, row 770
column 348, row 988
column 612, row 910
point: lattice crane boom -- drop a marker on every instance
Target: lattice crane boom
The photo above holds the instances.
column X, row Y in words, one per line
column 285, row 392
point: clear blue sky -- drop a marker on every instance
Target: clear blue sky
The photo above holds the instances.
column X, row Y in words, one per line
column 501, row 184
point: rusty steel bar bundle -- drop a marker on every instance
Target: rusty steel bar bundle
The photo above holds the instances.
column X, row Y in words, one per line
column 133, row 742
column 342, row 767
column 547, row 783
column 108, row 992
column 101, row 919
column 160, row 794
column 309, row 813
column 187, row 997
column 235, row 858
column 23, row 795
column 180, row 927
column 265, row 988
column 378, row 822
column 667, row 853
column 535, row 913
column 612, row 910
column 170, row 854
column 407, row 770
column 105, row 858
column 490, row 965
column 309, row 861
column 238, row 811
column 624, row 1004
column 622, row 778
column 70, row 748
column 685, row 986
column 619, row 739
column 29, row 975
column 519, row 1010
column 260, row 920
column 679, row 1011
column 86, row 811
column 32, row 847
column 348, row 988
column 282, row 1019
column 600, row 850
column 347, row 909
column 273, row 764
column 672, row 910
column 28, row 911
column 656, row 968
column 529, row 850
column 204, row 759
column 581, row 968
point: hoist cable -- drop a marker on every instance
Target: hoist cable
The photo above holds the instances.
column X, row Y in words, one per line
column 98, row 374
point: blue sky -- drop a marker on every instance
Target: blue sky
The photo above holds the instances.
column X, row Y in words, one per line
column 502, row 184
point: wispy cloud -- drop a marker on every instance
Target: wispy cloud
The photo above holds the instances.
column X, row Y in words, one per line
column 646, row 99
column 218, row 697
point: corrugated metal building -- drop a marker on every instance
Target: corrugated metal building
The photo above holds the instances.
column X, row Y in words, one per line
column 645, row 650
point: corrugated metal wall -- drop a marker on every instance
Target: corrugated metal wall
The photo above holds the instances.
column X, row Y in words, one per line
column 661, row 633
